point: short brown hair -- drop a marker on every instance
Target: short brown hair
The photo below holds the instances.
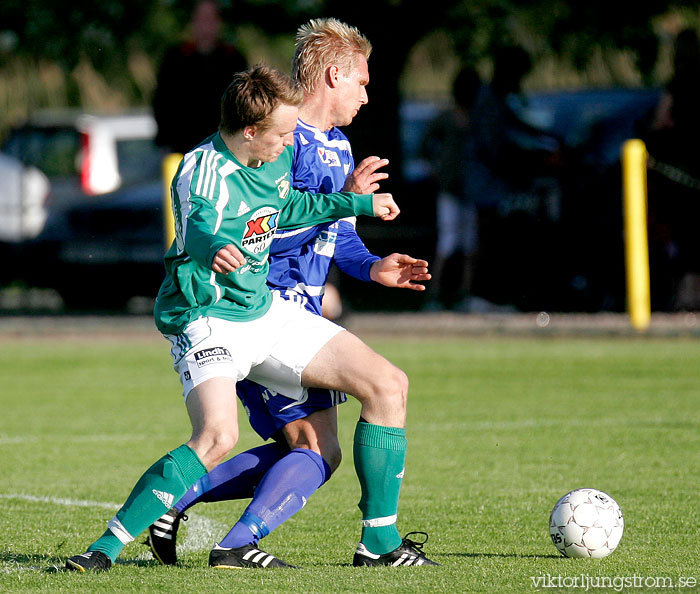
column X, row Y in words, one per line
column 321, row 43
column 253, row 95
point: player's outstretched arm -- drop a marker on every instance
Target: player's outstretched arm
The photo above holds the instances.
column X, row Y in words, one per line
column 400, row 271
column 364, row 179
column 384, row 207
column 227, row 259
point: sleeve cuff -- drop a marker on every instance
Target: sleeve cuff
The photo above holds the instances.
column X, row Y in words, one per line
column 363, row 205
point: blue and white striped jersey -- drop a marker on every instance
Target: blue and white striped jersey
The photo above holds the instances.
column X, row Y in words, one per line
column 299, row 263
column 300, row 259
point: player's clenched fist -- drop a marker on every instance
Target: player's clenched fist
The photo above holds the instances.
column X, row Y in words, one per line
column 384, row 207
column 227, row 259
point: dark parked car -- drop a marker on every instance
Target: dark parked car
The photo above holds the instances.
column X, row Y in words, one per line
column 101, row 252
column 100, row 240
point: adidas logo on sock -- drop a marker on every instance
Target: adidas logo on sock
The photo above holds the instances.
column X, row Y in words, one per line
column 400, row 475
column 165, row 498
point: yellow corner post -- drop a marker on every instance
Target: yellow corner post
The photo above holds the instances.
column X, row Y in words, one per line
column 634, row 177
column 170, row 165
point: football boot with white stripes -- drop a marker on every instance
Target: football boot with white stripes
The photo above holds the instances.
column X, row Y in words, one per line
column 409, row 552
column 162, row 536
column 90, row 561
column 247, row 556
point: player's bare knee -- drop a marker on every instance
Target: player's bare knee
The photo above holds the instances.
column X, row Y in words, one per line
column 395, row 386
column 225, row 442
column 393, row 399
column 402, row 384
column 214, row 446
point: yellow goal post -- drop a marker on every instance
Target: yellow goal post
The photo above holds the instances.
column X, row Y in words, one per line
column 169, row 169
column 634, row 178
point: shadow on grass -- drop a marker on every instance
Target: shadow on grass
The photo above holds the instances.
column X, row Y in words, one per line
column 55, row 564
column 438, row 556
column 139, row 563
column 503, row 555
column 23, row 561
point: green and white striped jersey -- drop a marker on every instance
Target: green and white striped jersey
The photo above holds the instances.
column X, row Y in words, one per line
column 217, row 201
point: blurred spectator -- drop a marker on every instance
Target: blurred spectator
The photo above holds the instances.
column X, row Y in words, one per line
column 443, row 147
column 507, row 147
column 674, row 183
column 191, row 80
column 509, row 166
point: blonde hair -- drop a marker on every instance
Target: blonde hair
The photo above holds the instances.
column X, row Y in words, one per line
column 321, row 43
column 253, row 95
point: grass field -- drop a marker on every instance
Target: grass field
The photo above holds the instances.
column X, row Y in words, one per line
column 499, row 429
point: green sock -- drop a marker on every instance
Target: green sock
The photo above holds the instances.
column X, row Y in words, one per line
column 379, row 455
column 160, row 487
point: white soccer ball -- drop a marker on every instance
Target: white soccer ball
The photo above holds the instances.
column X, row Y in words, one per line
column 586, row 523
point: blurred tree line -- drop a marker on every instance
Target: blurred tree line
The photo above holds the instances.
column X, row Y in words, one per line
column 83, row 45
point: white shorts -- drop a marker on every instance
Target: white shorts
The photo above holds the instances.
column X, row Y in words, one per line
column 458, row 229
column 273, row 350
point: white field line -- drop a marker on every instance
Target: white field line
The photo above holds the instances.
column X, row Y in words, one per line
column 59, row 501
column 200, row 533
column 20, row 439
column 544, row 423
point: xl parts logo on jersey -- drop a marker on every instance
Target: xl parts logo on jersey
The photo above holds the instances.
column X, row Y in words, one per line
column 259, row 229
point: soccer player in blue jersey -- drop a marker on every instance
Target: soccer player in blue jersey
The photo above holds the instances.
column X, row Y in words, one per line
column 330, row 64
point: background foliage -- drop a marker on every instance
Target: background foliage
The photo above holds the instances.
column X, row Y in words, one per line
column 104, row 55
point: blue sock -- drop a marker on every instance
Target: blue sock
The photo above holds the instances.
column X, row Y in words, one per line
column 236, row 478
column 282, row 492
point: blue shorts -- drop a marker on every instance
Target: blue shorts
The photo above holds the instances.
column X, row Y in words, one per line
column 268, row 411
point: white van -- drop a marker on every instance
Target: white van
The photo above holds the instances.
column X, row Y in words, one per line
column 86, row 154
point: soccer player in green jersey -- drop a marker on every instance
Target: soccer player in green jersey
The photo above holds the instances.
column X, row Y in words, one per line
column 229, row 195
column 331, row 65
